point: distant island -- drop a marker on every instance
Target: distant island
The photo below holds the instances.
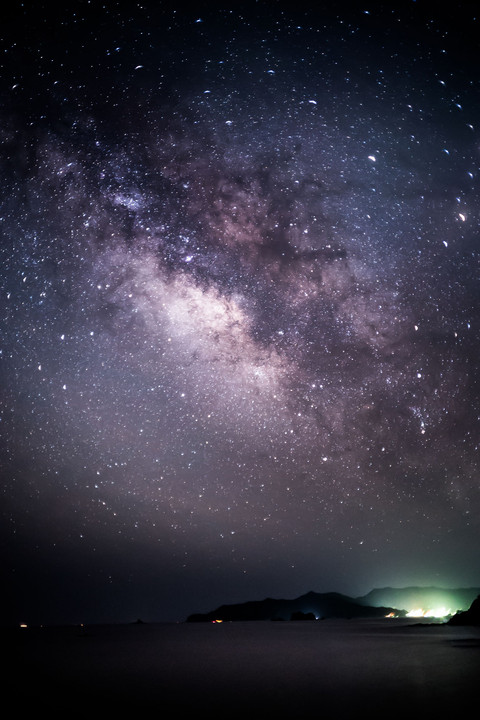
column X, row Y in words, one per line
column 313, row 606
column 414, row 601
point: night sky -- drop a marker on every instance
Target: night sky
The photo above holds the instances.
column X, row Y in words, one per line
column 239, row 297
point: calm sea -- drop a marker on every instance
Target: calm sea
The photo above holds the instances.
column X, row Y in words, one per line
column 284, row 668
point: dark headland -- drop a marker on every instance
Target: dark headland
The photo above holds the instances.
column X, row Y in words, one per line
column 468, row 617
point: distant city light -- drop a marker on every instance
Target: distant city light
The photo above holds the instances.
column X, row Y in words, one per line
column 440, row 612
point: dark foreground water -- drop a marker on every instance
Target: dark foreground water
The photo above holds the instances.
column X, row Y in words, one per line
column 286, row 669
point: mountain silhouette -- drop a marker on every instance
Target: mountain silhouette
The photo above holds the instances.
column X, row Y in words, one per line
column 410, row 598
column 321, row 605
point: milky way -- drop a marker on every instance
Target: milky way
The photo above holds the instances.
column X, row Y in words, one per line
column 239, row 297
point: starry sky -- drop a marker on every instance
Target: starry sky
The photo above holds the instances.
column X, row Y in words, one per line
column 239, row 338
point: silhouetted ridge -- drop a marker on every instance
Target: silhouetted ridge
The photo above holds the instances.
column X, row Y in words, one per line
column 321, row 605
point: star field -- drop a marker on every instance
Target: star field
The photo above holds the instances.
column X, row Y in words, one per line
column 239, row 304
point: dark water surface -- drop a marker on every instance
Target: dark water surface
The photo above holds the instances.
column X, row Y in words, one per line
column 234, row 669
